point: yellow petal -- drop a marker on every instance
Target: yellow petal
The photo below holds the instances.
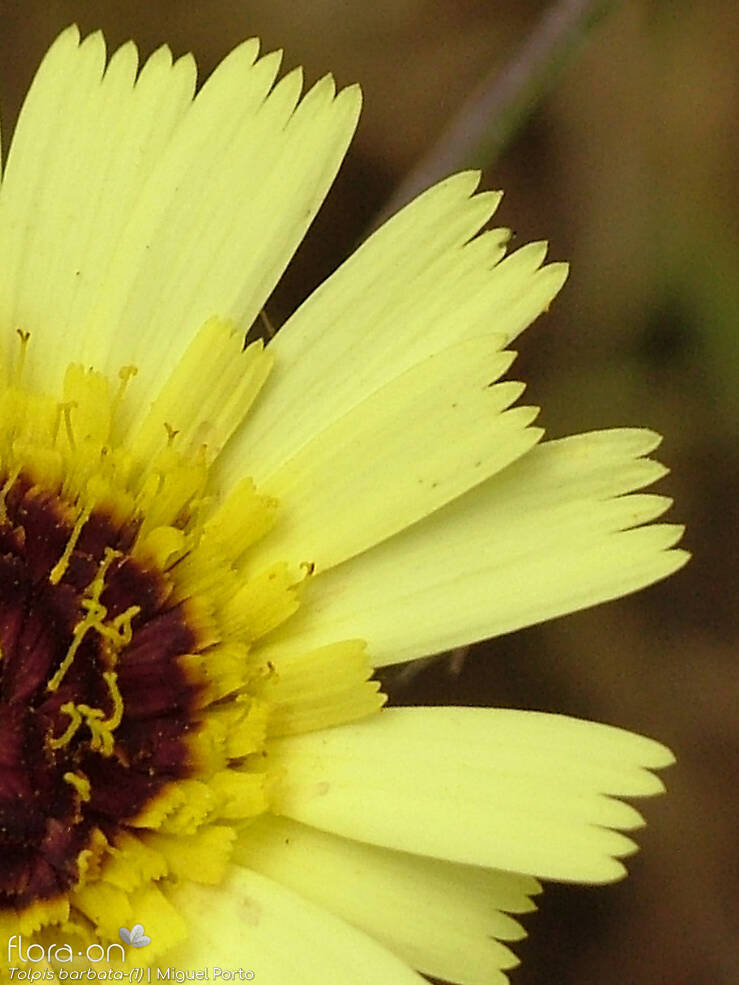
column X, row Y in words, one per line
column 441, row 918
column 414, row 445
column 220, row 219
column 550, row 534
column 418, row 285
column 521, row 791
column 253, row 923
column 84, row 146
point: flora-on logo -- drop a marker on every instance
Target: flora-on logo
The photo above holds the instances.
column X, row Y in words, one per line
column 135, row 936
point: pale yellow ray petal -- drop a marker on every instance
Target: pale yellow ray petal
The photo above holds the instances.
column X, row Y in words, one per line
column 520, row 791
column 253, row 923
column 84, row 145
column 414, row 445
column 138, row 128
column 63, row 79
column 223, row 213
column 548, row 535
column 182, row 214
column 441, row 918
column 418, row 285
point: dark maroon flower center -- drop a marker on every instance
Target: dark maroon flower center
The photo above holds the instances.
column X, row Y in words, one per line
column 94, row 707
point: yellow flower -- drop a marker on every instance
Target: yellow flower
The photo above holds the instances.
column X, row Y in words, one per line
column 192, row 601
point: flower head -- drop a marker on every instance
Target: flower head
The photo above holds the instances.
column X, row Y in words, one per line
column 208, row 545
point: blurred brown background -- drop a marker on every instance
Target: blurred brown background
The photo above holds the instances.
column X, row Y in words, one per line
column 628, row 168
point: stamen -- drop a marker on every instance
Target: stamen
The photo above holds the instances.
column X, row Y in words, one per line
column 8, row 485
column 80, row 783
column 20, row 364
column 95, row 615
column 120, row 631
column 57, row 572
column 171, row 434
column 66, row 410
column 80, row 631
column 101, row 729
column 111, row 679
column 93, row 720
column 76, row 720
column 125, row 375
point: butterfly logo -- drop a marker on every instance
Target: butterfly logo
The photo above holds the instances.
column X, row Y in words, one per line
column 135, row 936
